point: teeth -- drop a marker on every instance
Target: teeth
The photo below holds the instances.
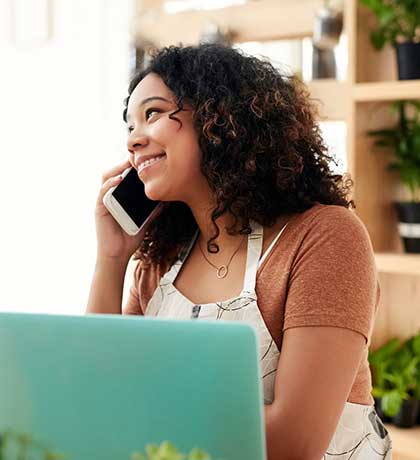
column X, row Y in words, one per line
column 146, row 163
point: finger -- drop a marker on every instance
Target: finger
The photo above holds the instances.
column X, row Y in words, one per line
column 115, row 171
column 131, row 160
column 111, row 182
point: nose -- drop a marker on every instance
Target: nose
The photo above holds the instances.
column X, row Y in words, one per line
column 136, row 142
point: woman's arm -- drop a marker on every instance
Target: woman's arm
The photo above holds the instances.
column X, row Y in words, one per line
column 107, row 286
column 328, row 318
column 316, row 371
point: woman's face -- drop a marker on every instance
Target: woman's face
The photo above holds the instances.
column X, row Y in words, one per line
column 176, row 175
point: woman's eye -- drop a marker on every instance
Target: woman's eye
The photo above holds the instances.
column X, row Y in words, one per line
column 149, row 111
column 146, row 115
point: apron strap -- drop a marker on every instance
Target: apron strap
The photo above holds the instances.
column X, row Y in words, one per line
column 255, row 243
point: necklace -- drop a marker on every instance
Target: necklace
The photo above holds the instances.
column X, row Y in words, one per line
column 223, row 270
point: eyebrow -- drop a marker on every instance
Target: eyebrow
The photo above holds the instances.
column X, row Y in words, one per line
column 148, row 99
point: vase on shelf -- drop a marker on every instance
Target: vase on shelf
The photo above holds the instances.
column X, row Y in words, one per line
column 409, row 225
column 408, row 59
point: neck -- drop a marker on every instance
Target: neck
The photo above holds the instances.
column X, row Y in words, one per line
column 202, row 215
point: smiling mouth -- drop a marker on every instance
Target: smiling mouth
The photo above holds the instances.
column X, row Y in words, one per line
column 151, row 162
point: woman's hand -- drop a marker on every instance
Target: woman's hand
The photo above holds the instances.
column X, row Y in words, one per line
column 112, row 241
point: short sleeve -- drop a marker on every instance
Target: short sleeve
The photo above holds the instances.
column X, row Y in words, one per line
column 333, row 280
column 133, row 305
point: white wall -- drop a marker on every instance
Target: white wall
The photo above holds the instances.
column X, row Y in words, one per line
column 61, row 127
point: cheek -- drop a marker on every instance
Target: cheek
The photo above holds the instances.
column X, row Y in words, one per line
column 165, row 132
column 180, row 142
column 186, row 154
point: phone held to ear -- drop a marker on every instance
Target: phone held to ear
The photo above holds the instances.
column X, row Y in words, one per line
column 129, row 205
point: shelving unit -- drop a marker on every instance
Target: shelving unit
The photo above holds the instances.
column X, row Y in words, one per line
column 386, row 91
column 362, row 101
column 374, row 85
column 403, row 264
column 370, row 87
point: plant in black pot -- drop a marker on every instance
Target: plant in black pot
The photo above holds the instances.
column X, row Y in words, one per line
column 399, row 387
column 399, row 25
column 404, row 141
column 414, row 345
column 380, row 362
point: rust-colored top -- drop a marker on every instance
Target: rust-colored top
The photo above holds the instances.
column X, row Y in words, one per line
column 320, row 272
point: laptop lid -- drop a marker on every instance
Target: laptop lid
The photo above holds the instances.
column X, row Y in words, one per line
column 100, row 387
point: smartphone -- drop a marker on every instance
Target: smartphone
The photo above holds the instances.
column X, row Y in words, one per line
column 129, row 205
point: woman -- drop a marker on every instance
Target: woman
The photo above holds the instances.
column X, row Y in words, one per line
column 257, row 229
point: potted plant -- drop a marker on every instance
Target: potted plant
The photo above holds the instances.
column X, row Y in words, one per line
column 22, row 446
column 404, row 140
column 380, row 362
column 414, row 345
column 399, row 25
column 398, row 368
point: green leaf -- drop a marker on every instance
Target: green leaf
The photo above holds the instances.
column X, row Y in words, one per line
column 391, row 403
column 387, row 15
column 416, row 344
column 378, row 39
column 152, row 451
column 137, row 456
column 385, row 351
column 377, row 392
column 368, row 3
column 168, row 451
column 198, row 454
column 54, row 455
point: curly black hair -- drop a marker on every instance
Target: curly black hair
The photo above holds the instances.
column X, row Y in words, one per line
column 262, row 150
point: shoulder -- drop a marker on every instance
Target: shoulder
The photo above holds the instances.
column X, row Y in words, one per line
column 323, row 233
column 329, row 225
column 322, row 217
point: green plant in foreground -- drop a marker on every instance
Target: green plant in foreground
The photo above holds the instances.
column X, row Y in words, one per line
column 398, row 20
column 167, row 451
column 23, row 446
column 396, row 373
column 404, row 140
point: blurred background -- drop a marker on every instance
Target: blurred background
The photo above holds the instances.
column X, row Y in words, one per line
column 65, row 70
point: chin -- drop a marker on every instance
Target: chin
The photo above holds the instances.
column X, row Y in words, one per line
column 154, row 192
column 154, row 195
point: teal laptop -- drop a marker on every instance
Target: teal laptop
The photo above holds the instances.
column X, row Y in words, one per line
column 103, row 387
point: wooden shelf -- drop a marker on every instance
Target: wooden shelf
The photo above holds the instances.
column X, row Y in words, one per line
column 407, row 264
column 330, row 92
column 406, row 442
column 250, row 22
column 386, row 91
